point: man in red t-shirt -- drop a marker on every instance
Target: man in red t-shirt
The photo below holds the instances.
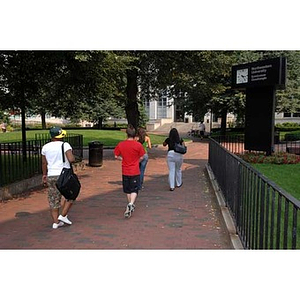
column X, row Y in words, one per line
column 131, row 153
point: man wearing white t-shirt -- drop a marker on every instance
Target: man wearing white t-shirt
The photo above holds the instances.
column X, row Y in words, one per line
column 52, row 164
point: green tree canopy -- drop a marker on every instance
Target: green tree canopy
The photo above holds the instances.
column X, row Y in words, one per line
column 96, row 84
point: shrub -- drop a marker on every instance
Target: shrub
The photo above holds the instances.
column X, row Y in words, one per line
column 287, row 126
column 278, row 158
column 292, row 136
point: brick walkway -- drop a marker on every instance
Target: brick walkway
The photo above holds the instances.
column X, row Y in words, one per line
column 187, row 218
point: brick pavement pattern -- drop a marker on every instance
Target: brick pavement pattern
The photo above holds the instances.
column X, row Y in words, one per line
column 187, row 218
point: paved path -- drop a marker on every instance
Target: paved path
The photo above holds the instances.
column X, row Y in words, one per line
column 187, row 218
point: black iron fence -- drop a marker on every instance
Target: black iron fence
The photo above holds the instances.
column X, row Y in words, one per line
column 19, row 161
column 265, row 216
column 236, row 143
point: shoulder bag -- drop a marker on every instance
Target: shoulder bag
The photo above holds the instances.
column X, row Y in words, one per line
column 68, row 183
column 178, row 148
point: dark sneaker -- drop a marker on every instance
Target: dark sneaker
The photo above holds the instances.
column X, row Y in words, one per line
column 132, row 207
column 129, row 210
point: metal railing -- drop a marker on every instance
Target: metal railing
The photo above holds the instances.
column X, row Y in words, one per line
column 265, row 216
column 236, row 143
column 13, row 166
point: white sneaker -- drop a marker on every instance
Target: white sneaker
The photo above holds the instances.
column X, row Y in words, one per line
column 56, row 225
column 64, row 219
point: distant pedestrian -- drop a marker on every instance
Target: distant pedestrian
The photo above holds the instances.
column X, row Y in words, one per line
column 52, row 164
column 145, row 140
column 202, row 129
column 174, row 159
column 131, row 152
column 3, row 127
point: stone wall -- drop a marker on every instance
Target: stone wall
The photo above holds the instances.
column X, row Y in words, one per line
column 14, row 189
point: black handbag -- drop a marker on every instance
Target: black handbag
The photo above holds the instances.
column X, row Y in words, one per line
column 68, row 183
column 178, row 148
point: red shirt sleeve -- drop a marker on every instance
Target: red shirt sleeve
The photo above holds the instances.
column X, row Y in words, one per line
column 117, row 150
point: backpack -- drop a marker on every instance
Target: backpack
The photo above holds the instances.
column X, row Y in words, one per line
column 68, row 183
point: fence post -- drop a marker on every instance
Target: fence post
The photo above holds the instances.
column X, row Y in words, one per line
column 1, row 168
column 255, row 202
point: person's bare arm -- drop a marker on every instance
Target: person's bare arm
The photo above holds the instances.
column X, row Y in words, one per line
column 44, row 169
column 142, row 157
column 148, row 142
column 70, row 156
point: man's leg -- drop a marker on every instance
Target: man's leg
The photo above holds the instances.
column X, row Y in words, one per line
column 54, row 198
column 128, row 198
column 133, row 197
column 64, row 214
column 66, row 207
column 54, row 214
column 133, row 187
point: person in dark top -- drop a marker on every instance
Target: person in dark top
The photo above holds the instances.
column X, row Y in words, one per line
column 174, row 159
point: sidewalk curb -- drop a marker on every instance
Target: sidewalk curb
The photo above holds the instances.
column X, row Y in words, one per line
column 235, row 240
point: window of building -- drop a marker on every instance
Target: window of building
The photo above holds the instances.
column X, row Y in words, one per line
column 215, row 118
column 162, row 107
column 147, row 107
column 290, row 115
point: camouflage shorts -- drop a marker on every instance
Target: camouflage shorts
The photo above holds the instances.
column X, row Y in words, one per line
column 54, row 196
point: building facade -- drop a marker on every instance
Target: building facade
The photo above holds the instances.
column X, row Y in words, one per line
column 163, row 110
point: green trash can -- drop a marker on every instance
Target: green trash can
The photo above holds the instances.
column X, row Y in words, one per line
column 95, row 154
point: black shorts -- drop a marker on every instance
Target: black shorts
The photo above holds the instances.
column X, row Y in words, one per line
column 131, row 184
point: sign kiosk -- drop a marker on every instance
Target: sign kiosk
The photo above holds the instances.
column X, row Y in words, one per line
column 260, row 80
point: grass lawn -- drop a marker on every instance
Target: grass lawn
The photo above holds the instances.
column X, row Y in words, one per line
column 107, row 137
column 285, row 176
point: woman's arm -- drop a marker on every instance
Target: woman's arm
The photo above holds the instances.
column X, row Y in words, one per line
column 148, row 141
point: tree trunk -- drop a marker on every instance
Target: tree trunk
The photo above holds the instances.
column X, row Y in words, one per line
column 43, row 117
column 223, row 121
column 131, row 109
column 100, row 122
column 23, row 108
column 23, row 117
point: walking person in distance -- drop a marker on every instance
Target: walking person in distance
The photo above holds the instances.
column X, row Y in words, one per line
column 131, row 152
column 201, row 129
column 52, row 165
column 174, row 159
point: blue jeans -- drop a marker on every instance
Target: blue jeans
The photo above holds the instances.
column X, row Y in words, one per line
column 143, row 165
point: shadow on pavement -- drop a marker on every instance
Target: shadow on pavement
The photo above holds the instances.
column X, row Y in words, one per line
column 187, row 218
